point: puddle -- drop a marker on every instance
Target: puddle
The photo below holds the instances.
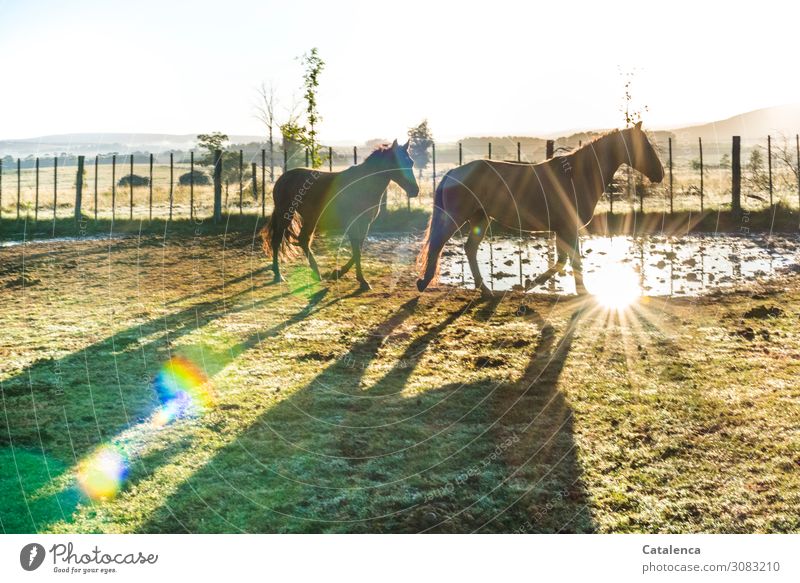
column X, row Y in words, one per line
column 649, row 265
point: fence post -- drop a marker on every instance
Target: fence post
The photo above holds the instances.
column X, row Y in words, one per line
column 19, row 184
column 769, row 166
column 797, row 141
column 736, row 175
column 130, row 188
column 254, row 172
column 306, row 158
column 36, row 199
column 490, row 150
column 264, row 183
column 519, row 153
column 96, row 160
column 355, row 155
column 285, row 160
column 330, row 158
column 549, row 149
column 433, row 160
column 79, row 188
column 700, row 143
column 170, row 184
column 460, row 158
column 671, row 203
column 218, row 183
column 55, row 191
column 113, row 187
column 241, row 179
column 1, row 188
column 151, row 187
column 191, row 185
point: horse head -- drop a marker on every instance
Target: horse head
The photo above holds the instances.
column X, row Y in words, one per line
column 641, row 155
column 400, row 167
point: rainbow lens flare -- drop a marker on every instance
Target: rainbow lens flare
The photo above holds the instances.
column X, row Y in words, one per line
column 101, row 475
column 183, row 390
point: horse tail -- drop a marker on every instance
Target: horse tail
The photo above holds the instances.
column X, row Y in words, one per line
column 428, row 258
column 281, row 233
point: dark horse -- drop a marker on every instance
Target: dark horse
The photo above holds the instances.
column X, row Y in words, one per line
column 307, row 199
column 558, row 195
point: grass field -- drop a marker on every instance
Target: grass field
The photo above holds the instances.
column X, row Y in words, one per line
column 385, row 411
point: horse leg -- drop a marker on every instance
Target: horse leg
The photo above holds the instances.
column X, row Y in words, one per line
column 441, row 229
column 478, row 225
column 357, row 243
column 577, row 265
column 278, row 233
column 304, row 243
column 561, row 261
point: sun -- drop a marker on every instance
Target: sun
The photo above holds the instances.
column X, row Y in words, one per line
column 615, row 286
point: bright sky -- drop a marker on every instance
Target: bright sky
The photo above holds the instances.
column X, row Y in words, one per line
column 500, row 68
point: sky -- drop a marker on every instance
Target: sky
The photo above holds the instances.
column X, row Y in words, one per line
column 470, row 68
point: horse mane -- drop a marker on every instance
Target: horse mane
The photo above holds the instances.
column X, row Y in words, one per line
column 593, row 141
column 379, row 152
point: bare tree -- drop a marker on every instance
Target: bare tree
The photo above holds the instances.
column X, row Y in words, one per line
column 785, row 153
column 265, row 112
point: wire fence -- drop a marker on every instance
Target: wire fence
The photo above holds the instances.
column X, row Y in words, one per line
column 177, row 185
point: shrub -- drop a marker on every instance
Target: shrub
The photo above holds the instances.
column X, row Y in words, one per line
column 200, row 178
column 134, row 179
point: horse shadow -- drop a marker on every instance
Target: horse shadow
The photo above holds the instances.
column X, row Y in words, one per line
column 365, row 446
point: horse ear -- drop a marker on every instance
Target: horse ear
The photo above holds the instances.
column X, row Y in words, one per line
column 405, row 146
column 638, row 125
column 394, row 144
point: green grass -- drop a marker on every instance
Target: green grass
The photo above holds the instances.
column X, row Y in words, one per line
column 386, row 411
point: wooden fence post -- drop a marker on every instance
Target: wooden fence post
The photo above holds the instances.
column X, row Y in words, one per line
column 769, row 166
column 433, row 160
column 191, row 185
column 1, row 188
column 700, row 144
column 285, row 160
column 19, row 184
column 254, row 172
column 96, row 160
column 113, row 187
column 151, row 188
column 330, row 158
column 218, row 183
column 306, row 166
column 241, row 179
column 55, row 191
column 519, row 152
column 171, row 200
column 671, row 201
column 460, row 157
column 36, row 199
column 355, row 155
column 490, row 150
column 79, row 188
column 264, row 183
column 797, row 141
column 736, row 175
column 130, row 189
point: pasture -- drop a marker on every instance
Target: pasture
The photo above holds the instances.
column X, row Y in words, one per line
column 327, row 409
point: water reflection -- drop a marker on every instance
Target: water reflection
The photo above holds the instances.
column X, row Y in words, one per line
column 621, row 268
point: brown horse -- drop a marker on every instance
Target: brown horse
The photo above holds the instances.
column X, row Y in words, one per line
column 306, row 200
column 558, row 195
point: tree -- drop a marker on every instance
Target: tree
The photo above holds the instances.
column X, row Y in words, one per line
column 756, row 178
column 265, row 112
column 421, row 139
column 210, row 143
column 314, row 65
column 785, row 155
column 725, row 161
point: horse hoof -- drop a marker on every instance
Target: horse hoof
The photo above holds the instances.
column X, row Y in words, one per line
column 278, row 279
column 365, row 286
column 421, row 285
column 485, row 291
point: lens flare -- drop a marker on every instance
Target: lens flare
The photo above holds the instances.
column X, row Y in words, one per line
column 183, row 390
column 101, row 475
column 615, row 286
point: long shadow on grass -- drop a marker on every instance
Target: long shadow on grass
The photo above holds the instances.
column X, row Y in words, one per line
column 58, row 410
column 348, row 452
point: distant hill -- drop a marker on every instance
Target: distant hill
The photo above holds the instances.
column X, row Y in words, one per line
column 94, row 143
column 753, row 125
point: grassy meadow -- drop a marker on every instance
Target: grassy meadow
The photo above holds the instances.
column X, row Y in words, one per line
column 331, row 410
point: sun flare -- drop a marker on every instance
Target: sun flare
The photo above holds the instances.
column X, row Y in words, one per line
column 615, row 286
